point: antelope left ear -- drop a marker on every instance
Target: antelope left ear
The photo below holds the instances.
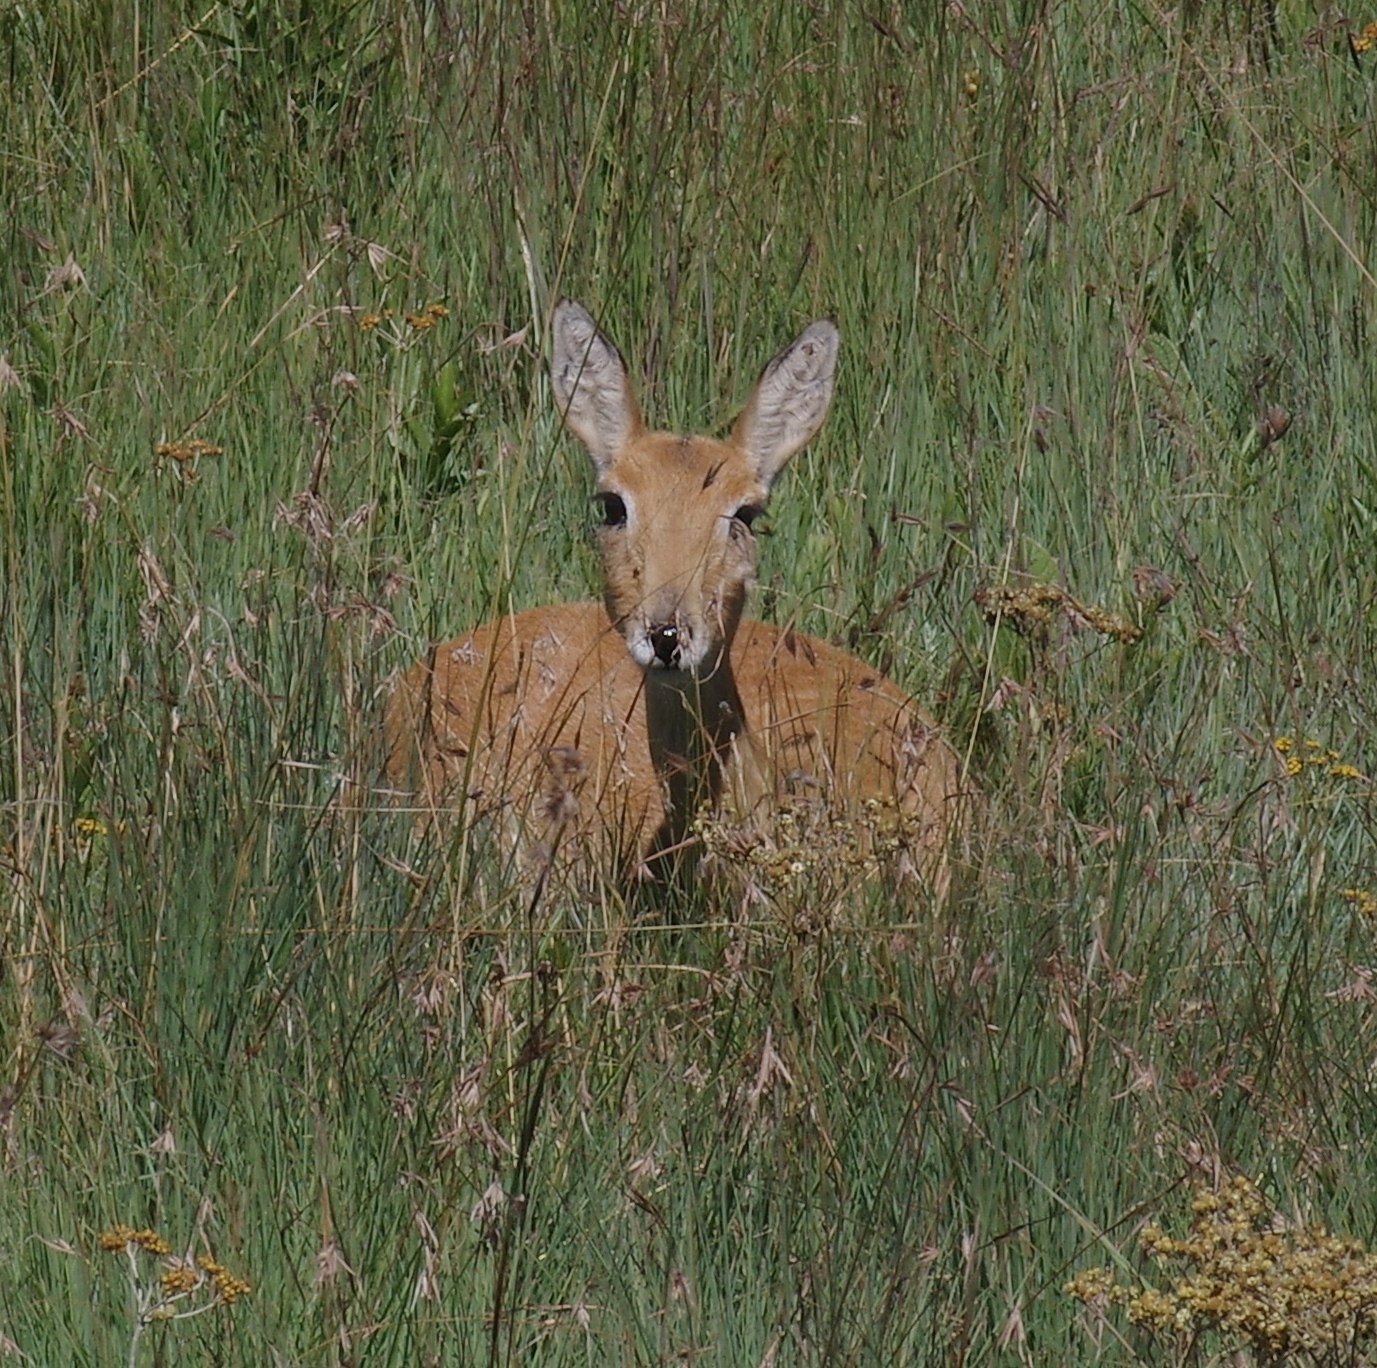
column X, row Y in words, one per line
column 590, row 385
column 790, row 401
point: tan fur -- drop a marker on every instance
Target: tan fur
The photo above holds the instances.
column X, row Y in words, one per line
column 603, row 729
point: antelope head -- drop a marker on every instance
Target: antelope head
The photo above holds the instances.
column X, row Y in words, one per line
column 678, row 552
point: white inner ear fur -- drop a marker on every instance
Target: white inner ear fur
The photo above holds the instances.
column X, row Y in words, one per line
column 790, row 401
column 590, row 385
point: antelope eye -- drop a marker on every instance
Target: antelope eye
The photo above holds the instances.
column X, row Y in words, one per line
column 747, row 514
column 613, row 509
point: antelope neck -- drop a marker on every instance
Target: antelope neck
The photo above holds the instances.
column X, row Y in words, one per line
column 693, row 719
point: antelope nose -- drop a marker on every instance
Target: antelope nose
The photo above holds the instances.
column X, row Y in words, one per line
column 664, row 641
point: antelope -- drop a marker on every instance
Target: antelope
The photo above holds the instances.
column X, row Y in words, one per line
column 606, row 728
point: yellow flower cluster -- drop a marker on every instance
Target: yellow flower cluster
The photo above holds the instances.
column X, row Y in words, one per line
column 432, row 314
column 1093, row 1285
column 121, row 1236
column 226, row 1284
column 1364, row 41
column 1362, row 900
column 427, row 318
column 804, row 843
column 1031, row 610
column 1286, row 1292
column 179, row 1278
column 1312, row 755
column 188, row 451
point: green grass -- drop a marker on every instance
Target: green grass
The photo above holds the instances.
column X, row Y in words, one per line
column 1075, row 252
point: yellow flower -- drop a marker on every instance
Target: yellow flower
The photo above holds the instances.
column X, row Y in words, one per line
column 120, row 1236
column 226, row 1284
column 178, row 1280
column 1362, row 901
column 1285, row 1291
column 188, row 451
column 1090, row 1284
column 1157, row 1309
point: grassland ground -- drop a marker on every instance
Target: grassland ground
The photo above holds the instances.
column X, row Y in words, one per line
column 1098, row 488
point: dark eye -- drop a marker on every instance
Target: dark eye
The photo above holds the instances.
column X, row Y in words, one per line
column 613, row 509
column 747, row 514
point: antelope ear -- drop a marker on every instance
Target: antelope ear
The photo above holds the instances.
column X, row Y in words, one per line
column 590, row 384
column 790, row 401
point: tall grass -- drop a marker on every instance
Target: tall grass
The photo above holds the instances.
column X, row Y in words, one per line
column 1079, row 254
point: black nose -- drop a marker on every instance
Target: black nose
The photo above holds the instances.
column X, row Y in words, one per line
column 665, row 641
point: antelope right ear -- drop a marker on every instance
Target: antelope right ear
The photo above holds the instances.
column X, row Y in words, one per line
column 590, row 385
column 790, row 401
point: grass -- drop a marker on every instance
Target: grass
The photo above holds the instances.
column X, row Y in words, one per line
column 1078, row 254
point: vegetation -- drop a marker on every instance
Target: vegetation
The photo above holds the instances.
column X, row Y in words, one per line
column 1098, row 487
column 1292, row 1295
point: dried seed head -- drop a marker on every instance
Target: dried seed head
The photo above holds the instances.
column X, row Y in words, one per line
column 1273, row 426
